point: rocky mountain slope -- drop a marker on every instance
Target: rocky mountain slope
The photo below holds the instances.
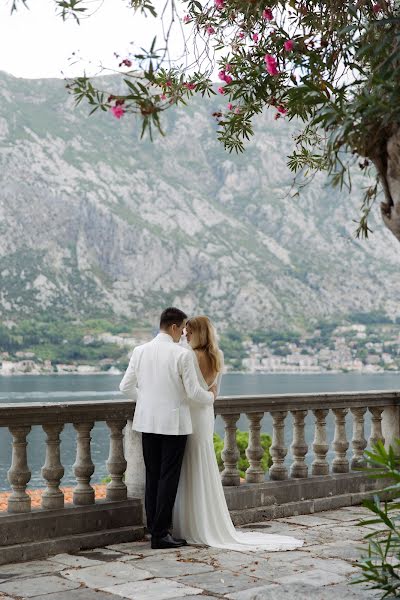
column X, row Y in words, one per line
column 95, row 222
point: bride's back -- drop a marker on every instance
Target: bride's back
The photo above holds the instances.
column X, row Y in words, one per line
column 206, row 366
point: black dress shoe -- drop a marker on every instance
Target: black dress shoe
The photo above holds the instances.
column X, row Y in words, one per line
column 181, row 540
column 166, row 542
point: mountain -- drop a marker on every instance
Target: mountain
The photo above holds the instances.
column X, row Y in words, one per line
column 95, row 222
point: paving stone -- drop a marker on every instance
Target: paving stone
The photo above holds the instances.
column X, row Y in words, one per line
column 166, row 566
column 101, row 554
column 36, row 586
column 153, row 589
column 75, row 560
column 221, row 581
column 301, row 591
column 112, row 573
column 282, row 557
column 339, row 515
column 130, row 547
column 341, row 567
column 307, row 520
column 250, row 564
column 316, row 577
column 280, row 528
column 129, row 557
column 345, row 532
column 144, row 549
column 26, row 569
column 315, row 537
column 346, row 550
column 79, row 594
column 202, row 597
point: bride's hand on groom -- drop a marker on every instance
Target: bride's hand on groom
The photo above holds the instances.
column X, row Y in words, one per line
column 213, row 389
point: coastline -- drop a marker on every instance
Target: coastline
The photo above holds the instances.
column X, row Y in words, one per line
column 116, row 373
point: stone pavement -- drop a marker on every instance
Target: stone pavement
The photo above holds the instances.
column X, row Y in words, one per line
column 320, row 570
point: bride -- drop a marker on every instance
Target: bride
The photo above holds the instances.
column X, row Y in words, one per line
column 200, row 512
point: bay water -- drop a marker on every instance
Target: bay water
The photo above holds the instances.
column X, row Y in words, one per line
column 73, row 388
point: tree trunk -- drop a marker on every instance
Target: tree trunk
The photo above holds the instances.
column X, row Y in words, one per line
column 389, row 173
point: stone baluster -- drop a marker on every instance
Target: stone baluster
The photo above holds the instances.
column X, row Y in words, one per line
column 255, row 473
column 230, row 454
column 19, row 473
column 320, row 465
column 340, row 463
column 278, row 450
column 359, row 443
column 116, row 463
column 83, row 466
column 299, row 447
column 376, row 425
column 53, row 471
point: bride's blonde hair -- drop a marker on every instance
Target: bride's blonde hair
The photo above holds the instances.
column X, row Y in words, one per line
column 204, row 338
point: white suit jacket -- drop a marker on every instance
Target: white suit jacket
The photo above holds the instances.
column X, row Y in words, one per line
column 161, row 377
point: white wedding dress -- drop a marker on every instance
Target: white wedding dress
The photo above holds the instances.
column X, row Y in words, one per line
column 200, row 512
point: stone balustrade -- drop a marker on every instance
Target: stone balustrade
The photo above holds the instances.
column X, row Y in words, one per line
column 19, row 418
column 383, row 408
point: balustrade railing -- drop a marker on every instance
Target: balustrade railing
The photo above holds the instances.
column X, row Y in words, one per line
column 352, row 404
column 292, row 461
column 19, row 419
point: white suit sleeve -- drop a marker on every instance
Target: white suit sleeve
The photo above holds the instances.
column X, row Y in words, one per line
column 128, row 385
column 193, row 389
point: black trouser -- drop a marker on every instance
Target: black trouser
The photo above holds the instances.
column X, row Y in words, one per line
column 163, row 456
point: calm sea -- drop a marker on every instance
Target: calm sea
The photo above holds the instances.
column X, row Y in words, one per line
column 71, row 388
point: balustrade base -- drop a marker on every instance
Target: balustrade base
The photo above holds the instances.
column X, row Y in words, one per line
column 84, row 541
column 44, row 532
column 274, row 499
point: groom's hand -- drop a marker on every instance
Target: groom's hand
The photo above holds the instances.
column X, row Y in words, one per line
column 213, row 389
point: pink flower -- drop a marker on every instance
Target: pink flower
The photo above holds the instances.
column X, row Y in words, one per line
column 241, row 35
column 271, row 64
column 267, row 14
column 219, row 4
column 186, row 19
column 168, row 83
column 117, row 111
column 126, row 63
column 210, row 30
column 222, row 75
column 277, row 116
column 163, row 97
column 228, row 79
column 281, row 109
column 288, row 45
column 221, row 90
column 255, row 38
column 230, row 106
column 227, row 67
column 190, row 86
column 377, row 8
column 237, row 111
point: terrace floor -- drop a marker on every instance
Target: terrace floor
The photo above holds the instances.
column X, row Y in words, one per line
column 322, row 569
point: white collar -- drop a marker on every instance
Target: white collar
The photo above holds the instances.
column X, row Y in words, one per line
column 164, row 337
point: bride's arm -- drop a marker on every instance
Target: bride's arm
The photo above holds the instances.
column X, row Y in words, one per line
column 219, row 378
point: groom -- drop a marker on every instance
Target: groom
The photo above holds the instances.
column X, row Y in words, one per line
column 161, row 376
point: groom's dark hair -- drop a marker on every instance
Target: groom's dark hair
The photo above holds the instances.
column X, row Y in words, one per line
column 171, row 316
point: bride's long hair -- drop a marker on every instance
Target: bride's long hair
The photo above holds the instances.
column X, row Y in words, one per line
column 204, row 338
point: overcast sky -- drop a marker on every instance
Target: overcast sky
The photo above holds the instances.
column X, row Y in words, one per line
column 36, row 43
